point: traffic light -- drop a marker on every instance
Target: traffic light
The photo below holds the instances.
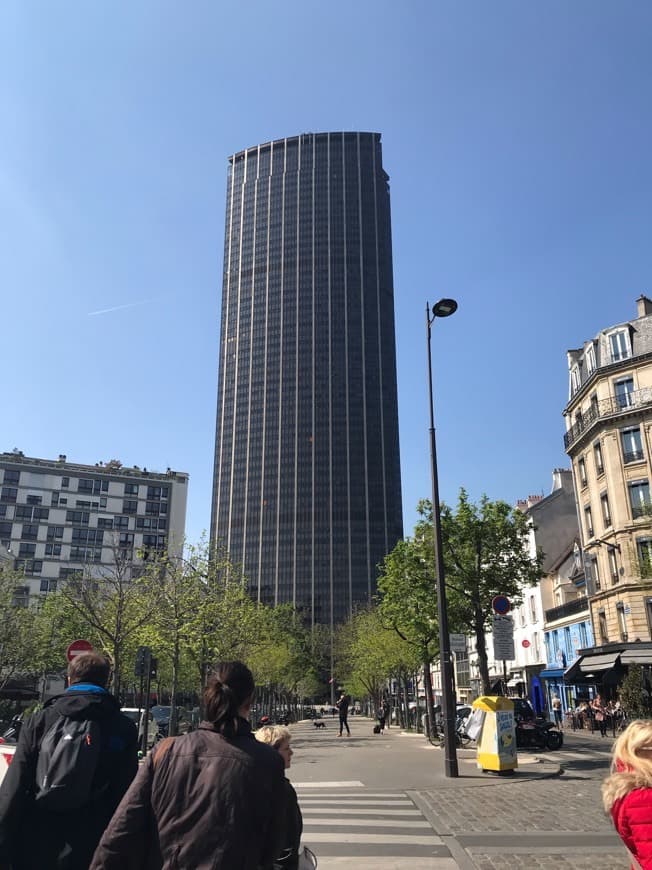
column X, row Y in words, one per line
column 143, row 657
column 153, row 667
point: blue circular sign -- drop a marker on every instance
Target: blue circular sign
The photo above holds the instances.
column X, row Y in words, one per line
column 501, row 604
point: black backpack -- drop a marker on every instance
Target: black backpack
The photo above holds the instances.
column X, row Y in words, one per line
column 67, row 762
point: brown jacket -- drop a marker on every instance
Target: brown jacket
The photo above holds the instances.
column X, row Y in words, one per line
column 208, row 803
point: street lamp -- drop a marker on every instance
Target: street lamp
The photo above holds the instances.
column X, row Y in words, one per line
column 443, row 308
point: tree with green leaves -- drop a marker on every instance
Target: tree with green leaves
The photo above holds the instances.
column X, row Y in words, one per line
column 17, row 628
column 486, row 553
column 408, row 605
column 369, row 654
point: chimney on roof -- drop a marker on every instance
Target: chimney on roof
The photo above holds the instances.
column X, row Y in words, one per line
column 644, row 306
column 62, row 457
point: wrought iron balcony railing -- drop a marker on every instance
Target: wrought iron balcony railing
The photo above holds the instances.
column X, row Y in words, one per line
column 568, row 609
column 608, row 408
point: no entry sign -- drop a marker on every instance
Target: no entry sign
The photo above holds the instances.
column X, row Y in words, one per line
column 77, row 647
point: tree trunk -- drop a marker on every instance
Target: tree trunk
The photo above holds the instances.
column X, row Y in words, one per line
column 117, row 664
column 174, row 725
column 430, row 704
column 481, row 648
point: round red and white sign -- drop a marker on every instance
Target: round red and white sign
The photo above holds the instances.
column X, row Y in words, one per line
column 525, row 643
column 77, row 647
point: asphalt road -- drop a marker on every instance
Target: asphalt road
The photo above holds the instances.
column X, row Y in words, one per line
column 383, row 802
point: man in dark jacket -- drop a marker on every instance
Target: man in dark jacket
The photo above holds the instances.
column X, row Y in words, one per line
column 32, row 838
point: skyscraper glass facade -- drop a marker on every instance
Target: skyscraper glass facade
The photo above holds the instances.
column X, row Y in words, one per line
column 307, row 489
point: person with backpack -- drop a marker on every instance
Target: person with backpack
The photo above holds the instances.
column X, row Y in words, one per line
column 73, row 763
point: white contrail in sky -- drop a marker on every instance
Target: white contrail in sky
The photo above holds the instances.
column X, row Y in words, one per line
column 117, row 308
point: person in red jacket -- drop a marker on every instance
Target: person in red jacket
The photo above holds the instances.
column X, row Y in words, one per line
column 627, row 792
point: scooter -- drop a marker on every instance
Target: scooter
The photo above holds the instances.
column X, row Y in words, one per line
column 538, row 733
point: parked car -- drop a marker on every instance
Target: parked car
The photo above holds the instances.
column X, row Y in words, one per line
column 161, row 714
column 132, row 713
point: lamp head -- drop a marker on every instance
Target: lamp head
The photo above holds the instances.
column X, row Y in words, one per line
column 444, row 308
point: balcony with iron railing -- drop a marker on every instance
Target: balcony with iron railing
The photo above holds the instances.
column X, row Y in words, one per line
column 610, row 407
column 569, row 609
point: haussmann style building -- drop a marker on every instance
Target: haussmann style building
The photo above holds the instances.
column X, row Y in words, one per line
column 609, row 440
column 307, row 490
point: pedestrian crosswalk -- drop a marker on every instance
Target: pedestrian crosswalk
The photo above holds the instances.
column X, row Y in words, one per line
column 384, row 827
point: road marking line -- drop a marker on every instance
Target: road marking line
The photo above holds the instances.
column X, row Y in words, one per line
column 405, row 839
column 357, row 811
column 316, row 802
column 354, row 783
column 369, row 823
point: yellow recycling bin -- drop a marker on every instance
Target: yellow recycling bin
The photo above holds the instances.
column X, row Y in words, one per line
column 497, row 733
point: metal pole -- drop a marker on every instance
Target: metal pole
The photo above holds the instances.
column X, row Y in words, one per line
column 447, row 690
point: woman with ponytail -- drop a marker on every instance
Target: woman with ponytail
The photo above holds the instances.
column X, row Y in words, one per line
column 213, row 798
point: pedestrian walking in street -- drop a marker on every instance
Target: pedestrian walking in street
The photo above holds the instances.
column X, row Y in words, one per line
column 213, row 798
column 627, row 792
column 342, row 705
column 599, row 713
column 74, row 761
column 278, row 737
column 556, row 710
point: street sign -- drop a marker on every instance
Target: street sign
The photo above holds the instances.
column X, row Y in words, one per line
column 501, row 604
column 457, row 643
column 77, row 648
column 503, row 636
column 525, row 643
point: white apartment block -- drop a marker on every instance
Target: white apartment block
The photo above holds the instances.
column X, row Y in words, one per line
column 58, row 518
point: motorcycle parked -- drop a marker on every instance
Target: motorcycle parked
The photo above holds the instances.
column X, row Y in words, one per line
column 538, row 734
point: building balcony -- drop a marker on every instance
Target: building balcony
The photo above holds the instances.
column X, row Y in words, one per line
column 579, row 605
column 605, row 408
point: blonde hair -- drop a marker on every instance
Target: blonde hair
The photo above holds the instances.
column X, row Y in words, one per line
column 274, row 735
column 631, row 762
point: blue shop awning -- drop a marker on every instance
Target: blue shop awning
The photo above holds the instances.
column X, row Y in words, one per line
column 552, row 674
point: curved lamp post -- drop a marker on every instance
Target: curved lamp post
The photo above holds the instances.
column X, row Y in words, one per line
column 443, row 308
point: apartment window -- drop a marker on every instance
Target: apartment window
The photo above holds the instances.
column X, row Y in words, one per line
column 29, row 532
column 65, row 482
column 594, row 573
column 624, row 392
column 53, row 549
column 23, row 512
column 639, row 497
column 131, row 489
column 602, row 623
column 8, row 494
column 79, row 517
column 105, row 522
column 121, row 522
column 644, row 552
column 54, row 501
column 157, row 492
column 622, row 620
column 581, row 467
column 590, row 359
column 648, row 612
column 613, row 564
column 41, row 513
column 34, row 499
column 21, row 596
column 619, row 343
column 153, row 508
column 26, row 551
column 575, row 379
column 54, row 532
column 48, row 585
column 85, row 485
column 597, row 455
column 126, row 539
column 5, row 529
column 536, row 646
column 588, row 520
column 606, row 512
column 12, row 477
column 85, row 554
column 632, row 444
column 130, row 506
column 29, row 566
column 533, row 609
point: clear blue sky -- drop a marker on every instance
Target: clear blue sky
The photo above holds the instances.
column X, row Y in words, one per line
column 518, row 141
